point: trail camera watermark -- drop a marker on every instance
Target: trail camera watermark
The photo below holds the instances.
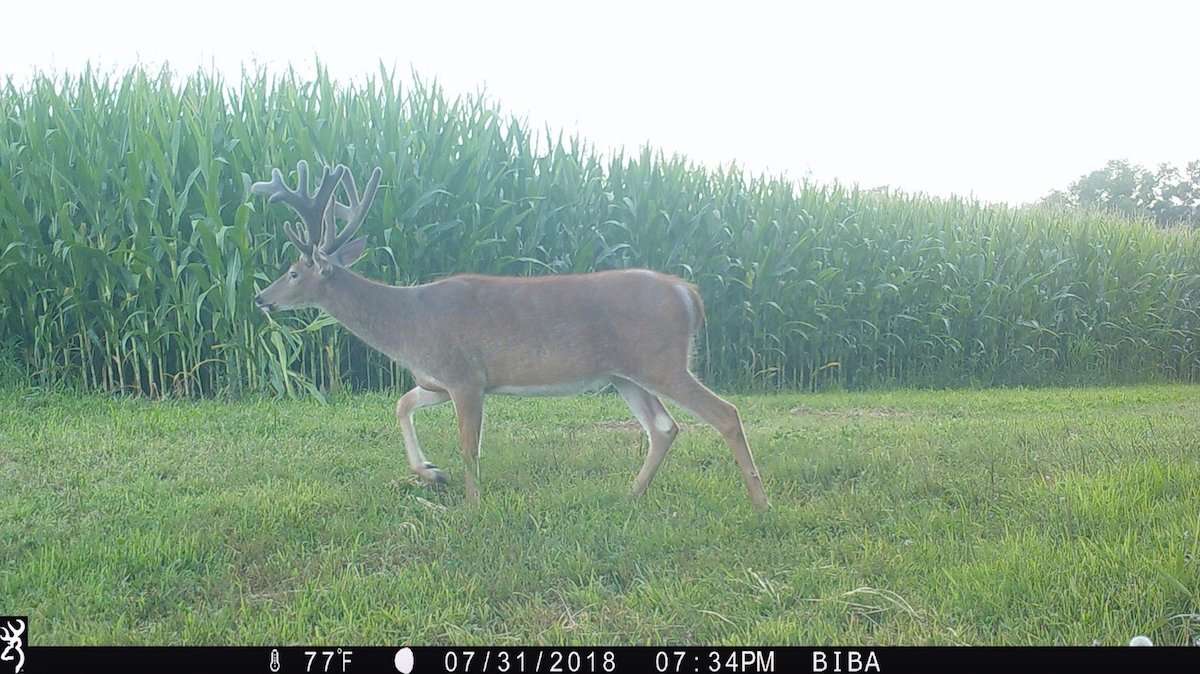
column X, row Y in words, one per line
column 12, row 638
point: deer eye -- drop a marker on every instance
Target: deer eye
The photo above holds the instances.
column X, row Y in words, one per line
column 292, row 274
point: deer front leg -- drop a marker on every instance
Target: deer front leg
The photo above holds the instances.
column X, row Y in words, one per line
column 468, row 406
column 410, row 402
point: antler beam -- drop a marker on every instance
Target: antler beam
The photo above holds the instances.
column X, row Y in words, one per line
column 311, row 208
column 354, row 213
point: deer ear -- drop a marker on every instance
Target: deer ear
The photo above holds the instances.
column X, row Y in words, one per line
column 349, row 253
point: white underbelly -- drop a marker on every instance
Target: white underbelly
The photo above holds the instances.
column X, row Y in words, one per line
column 564, row 389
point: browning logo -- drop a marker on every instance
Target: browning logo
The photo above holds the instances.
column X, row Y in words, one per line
column 12, row 639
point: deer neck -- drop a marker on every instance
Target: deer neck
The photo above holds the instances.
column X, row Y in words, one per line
column 370, row 310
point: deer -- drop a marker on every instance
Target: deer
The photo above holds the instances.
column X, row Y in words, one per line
column 466, row 336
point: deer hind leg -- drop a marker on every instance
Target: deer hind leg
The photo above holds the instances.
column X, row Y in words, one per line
column 659, row 426
column 695, row 397
column 411, row 402
column 468, row 407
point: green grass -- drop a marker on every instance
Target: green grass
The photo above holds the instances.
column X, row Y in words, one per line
column 1005, row 516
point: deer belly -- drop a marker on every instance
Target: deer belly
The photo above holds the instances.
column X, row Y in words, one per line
column 563, row 389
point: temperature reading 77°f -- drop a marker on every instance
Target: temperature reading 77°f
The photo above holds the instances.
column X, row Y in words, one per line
column 328, row 661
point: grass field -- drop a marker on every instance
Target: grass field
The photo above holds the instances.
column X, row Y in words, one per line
column 971, row 517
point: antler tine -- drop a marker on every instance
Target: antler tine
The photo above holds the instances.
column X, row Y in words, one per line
column 322, row 200
column 272, row 188
column 310, row 208
column 297, row 238
column 355, row 213
column 302, row 178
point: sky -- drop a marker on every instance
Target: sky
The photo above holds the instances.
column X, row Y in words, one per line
column 1003, row 101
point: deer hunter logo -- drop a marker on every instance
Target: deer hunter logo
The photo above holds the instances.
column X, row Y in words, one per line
column 11, row 638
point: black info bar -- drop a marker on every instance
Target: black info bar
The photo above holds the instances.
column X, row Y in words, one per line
column 606, row 660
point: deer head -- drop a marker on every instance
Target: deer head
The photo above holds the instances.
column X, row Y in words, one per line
column 11, row 637
column 323, row 251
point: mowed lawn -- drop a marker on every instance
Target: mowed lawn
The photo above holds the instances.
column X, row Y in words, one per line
column 1061, row 516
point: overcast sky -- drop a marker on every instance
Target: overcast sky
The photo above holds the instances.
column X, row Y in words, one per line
column 1004, row 100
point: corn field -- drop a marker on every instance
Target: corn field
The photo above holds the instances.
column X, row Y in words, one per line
column 131, row 250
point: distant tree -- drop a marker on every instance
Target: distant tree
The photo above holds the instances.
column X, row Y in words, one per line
column 1169, row 195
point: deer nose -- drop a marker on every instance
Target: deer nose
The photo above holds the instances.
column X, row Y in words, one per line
column 262, row 304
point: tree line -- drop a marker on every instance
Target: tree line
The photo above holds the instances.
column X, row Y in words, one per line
column 1168, row 195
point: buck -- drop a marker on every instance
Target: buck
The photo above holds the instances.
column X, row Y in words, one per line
column 466, row 336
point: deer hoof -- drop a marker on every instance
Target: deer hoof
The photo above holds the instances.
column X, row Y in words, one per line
column 433, row 475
